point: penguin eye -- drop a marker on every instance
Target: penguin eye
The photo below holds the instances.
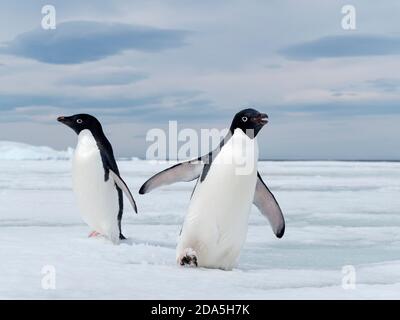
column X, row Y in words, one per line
column 79, row 121
column 244, row 119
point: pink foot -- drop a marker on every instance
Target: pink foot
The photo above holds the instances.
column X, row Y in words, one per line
column 93, row 234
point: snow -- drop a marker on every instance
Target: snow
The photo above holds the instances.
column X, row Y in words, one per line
column 337, row 213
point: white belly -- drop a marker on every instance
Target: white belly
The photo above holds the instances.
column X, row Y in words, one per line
column 217, row 220
column 97, row 199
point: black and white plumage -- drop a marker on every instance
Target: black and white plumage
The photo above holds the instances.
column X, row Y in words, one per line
column 215, row 227
column 97, row 182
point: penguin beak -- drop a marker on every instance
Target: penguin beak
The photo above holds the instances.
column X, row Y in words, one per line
column 61, row 119
column 261, row 119
column 65, row 120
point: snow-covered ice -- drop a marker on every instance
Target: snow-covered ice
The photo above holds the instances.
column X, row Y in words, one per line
column 337, row 213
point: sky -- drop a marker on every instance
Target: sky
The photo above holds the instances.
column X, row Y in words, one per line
column 330, row 93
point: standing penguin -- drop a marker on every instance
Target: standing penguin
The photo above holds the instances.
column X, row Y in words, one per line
column 215, row 227
column 96, row 179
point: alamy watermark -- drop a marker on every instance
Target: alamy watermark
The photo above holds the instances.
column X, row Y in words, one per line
column 189, row 144
column 349, row 278
column 49, row 17
column 349, row 17
column 48, row 281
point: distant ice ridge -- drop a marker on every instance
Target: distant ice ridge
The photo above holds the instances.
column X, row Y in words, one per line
column 21, row 151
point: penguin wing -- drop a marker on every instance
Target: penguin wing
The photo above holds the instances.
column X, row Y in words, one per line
column 111, row 169
column 122, row 185
column 269, row 207
column 185, row 171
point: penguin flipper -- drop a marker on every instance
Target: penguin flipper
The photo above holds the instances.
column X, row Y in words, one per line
column 269, row 207
column 122, row 185
column 182, row 172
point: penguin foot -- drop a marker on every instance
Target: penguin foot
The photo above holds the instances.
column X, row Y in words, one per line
column 188, row 258
column 93, row 234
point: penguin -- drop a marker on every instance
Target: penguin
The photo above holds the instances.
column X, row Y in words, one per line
column 97, row 183
column 228, row 183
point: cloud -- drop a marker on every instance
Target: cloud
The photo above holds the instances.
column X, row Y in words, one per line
column 342, row 110
column 343, row 46
column 154, row 108
column 37, row 113
column 83, row 41
column 385, row 84
column 113, row 78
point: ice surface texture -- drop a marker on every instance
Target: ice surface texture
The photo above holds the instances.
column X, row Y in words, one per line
column 337, row 213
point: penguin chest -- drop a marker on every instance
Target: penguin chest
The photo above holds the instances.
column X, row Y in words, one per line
column 97, row 198
column 218, row 214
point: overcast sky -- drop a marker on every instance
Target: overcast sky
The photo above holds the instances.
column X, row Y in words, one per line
column 330, row 93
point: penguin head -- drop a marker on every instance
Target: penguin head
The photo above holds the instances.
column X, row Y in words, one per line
column 80, row 122
column 250, row 121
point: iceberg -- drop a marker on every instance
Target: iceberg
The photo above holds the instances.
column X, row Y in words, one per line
column 21, row 151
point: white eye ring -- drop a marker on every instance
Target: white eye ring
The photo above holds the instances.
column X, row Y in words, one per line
column 244, row 119
column 79, row 121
